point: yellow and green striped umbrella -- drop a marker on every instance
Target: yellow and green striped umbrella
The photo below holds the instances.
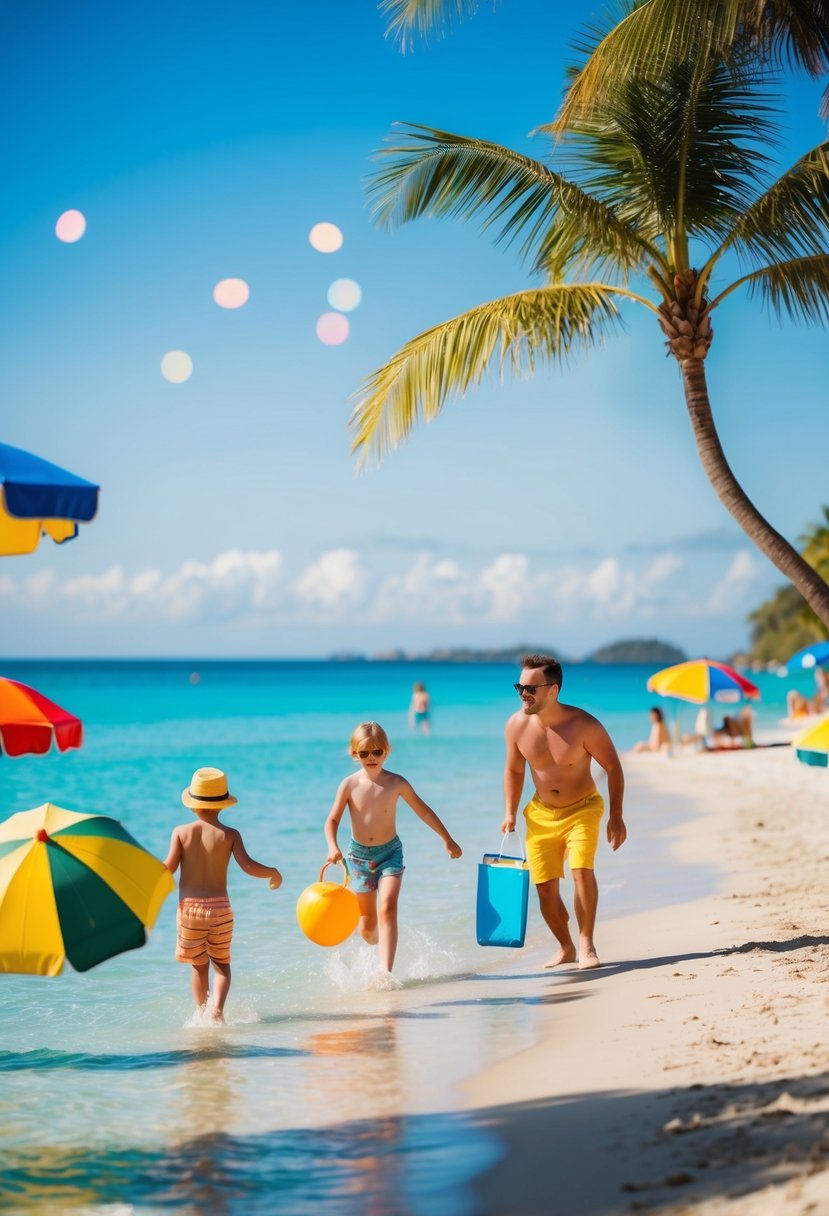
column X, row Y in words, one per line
column 73, row 886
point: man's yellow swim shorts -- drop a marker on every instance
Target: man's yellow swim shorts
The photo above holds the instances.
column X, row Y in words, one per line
column 553, row 832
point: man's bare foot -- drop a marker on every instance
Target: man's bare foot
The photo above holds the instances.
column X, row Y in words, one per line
column 567, row 954
column 588, row 958
column 216, row 1015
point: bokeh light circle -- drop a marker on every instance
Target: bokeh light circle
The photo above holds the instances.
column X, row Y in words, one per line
column 70, row 226
column 177, row 366
column 344, row 294
column 332, row 328
column 231, row 293
column 325, row 238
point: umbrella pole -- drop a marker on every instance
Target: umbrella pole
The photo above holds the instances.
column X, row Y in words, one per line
column 676, row 731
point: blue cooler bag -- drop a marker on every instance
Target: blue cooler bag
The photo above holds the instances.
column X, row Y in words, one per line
column 503, row 891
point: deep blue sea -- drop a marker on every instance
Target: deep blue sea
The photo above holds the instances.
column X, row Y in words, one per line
column 112, row 1099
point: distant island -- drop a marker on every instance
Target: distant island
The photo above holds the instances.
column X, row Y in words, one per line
column 635, row 650
column 638, row 650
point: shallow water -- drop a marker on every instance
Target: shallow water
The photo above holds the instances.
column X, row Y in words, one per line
column 113, row 1093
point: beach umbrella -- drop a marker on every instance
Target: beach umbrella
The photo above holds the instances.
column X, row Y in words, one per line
column 73, row 886
column 38, row 498
column 812, row 747
column 811, row 656
column 30, row 722
column 701, row 680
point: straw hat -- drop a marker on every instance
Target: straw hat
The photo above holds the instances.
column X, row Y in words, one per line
column 207, row 791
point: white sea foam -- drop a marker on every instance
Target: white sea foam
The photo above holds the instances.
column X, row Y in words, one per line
column 354, row 968
column 243, row 1013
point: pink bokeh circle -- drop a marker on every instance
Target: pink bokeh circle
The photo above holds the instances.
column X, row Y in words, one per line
column 231, row 293
column 332, row 328
column 70, row 226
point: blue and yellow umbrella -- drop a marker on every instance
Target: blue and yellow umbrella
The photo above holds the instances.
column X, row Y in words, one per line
column 38, row 498
column 73, row 886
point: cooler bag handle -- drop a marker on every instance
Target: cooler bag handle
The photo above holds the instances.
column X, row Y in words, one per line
column 514, row 832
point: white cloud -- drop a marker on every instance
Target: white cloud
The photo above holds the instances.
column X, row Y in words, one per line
column 428, row 594
column 333, row 582
column 507, row 584
column 729, row 593
column 232, row 584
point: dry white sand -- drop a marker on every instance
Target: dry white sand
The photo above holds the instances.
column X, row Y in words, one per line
column 690, row 1074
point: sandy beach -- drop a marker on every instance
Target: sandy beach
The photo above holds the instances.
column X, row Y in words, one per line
column 690, row 1073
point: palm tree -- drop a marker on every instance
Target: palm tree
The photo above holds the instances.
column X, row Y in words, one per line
column 665, row 182
column 785, row 623
column 655, row 31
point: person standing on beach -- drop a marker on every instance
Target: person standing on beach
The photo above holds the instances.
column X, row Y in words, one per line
column 205, row 917
column 558, row 742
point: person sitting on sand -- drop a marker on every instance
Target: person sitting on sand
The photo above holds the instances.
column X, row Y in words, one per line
column 558, row 742
column 736, row 731
column 375, row 854
column 659, row 739
column 205, row 917
column 797, row 706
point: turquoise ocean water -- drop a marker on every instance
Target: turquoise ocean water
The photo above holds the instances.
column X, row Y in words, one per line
column 111, row 1099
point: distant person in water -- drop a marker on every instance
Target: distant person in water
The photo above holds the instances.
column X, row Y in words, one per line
column 659, row 739
column 203, row 849
column 559, row 742
column 420, row 709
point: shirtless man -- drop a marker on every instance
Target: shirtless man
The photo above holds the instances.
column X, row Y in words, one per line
column 375, row 855
column 558, row 742
column 205, row 918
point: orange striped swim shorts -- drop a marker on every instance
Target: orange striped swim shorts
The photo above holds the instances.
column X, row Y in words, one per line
column 205, row 927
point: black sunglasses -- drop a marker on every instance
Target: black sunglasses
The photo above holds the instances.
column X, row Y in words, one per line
column 530, row 688
column 377, row 752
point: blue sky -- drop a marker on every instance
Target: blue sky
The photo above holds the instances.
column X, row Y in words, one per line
column 202, row 142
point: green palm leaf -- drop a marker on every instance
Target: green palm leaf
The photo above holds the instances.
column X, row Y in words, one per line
column 439, row 174
column 658, row 32
column 791, row 218
column 515, row 331
column 420, row 16
column 678, row 151
column 799, row 288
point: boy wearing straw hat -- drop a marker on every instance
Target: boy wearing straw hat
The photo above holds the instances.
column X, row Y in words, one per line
column 205, row 918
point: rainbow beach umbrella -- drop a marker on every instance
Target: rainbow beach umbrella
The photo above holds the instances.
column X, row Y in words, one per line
column 73, row 886
column 30, row 723
column 701, row 680
column 812, row 747
column 38, row 498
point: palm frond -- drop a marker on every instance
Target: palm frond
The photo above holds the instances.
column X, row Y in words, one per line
column 658, row 32
column 439, row 174
column 798, row 288
column 514, row 332
column 407, row 17
column 791, row 219
column 682, row 149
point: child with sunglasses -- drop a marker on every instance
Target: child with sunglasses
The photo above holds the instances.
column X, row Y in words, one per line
column 375, row 854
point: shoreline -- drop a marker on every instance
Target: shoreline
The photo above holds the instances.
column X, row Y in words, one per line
column 691, row 1074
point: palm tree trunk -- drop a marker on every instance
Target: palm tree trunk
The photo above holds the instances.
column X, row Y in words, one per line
column 731, row 494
